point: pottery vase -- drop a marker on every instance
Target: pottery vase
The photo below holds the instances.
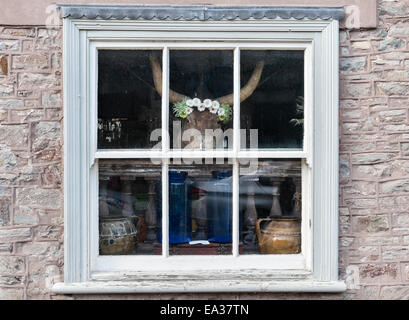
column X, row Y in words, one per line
column 118, row 235
column 279, row 235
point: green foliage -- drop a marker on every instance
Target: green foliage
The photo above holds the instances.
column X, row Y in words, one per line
column 228, row 112
column 299, row 112
column 179, row 109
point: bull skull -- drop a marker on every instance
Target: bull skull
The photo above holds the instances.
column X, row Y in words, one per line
column 174, row 96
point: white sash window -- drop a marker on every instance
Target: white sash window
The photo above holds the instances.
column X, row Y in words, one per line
column 131, row 84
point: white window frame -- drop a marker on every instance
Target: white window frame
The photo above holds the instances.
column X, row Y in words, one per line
column 315, row 269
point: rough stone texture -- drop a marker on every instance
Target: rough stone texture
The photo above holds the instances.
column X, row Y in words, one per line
column 15, row 234
column 34, row 197
column 4, row 211
column 7, row 293
column 12, row 265
column 6, row 45
column 355, row 64
column 31, row 216
column 6, row 90
column 374, row 167
column 374, row 197
column 371, row 224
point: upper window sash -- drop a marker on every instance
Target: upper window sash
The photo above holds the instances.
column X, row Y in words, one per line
column 236, row 151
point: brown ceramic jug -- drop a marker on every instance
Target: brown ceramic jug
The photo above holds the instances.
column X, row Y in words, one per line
column 279, row 235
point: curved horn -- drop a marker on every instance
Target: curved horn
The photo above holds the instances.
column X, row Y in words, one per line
column 248, row 89
column 157, row 80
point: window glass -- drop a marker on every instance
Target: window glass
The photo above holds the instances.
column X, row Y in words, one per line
column 201, row 98
column 275, row 108
column 200, row 215
column 200, row 209
column 129, row 107
column 128, row 200
column 270, row 207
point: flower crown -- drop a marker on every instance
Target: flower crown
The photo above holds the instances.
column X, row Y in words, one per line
column 184, row 108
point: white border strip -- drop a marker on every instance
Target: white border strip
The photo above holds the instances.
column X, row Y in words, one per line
column 198, row 286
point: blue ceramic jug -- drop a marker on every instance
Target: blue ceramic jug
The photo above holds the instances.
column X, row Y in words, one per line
column 219, row 207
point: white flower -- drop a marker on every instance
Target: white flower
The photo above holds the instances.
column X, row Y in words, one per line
column 207, row 103
column 221, row 112
column 189, row 102
column 196, row 102
column 216, row 104
column 212, row 109
column 202, row 107
column 189, row 110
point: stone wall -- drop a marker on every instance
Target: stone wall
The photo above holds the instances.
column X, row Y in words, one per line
column 31, row 168
column 374, row 166
column 374, row 154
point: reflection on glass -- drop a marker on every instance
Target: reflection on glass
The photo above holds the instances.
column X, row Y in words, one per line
column 129, row 106
column 201, row 98
column 271, row 202
column 200, row 210
column 275, row 107
column 127, row 207
column 130, row 208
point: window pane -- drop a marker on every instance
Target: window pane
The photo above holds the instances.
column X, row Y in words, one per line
column 129, row 107
column 275, row 107
column 200, row 210
column 201, row 98
column 127, row 207
column 270, row 207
